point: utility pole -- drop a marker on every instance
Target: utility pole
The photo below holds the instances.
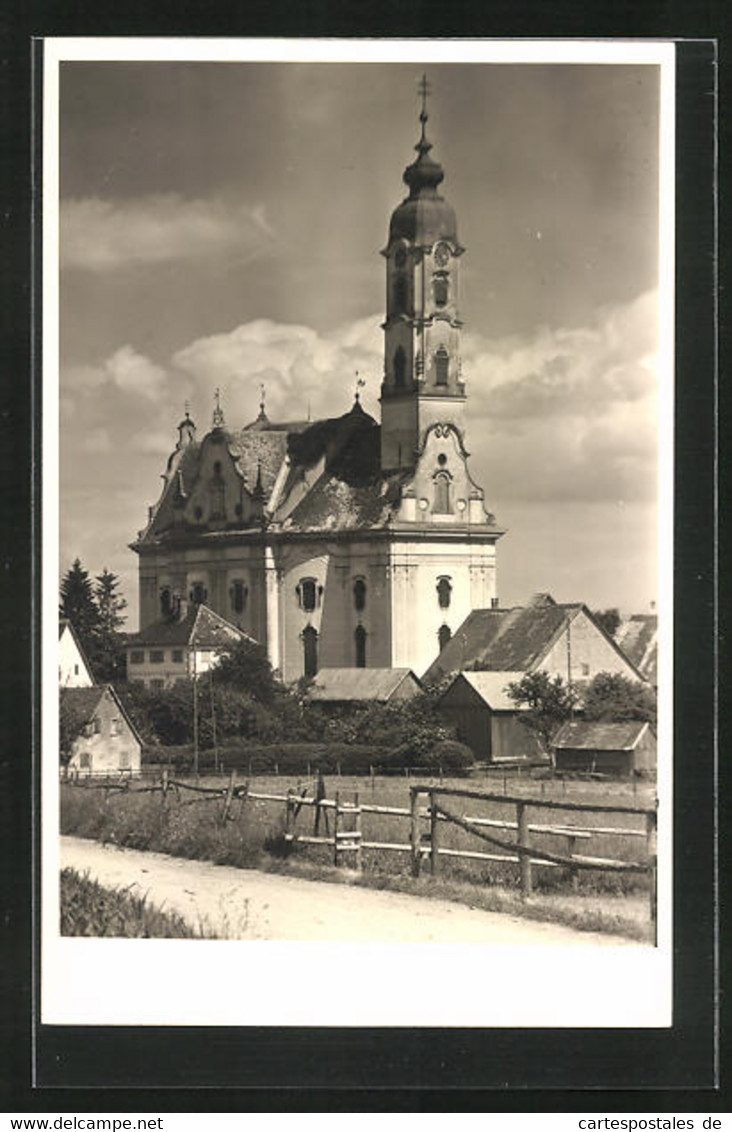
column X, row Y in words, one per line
column 195, row 716
column 213, row 722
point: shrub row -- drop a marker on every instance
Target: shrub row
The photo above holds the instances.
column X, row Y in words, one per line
column 300, row 758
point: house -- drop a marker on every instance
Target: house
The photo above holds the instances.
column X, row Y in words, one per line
column 321, row 539
column 74, row 670
column 103, row 738
column 638, row 638
column 619, row 749
column 486, row 718
column 348, row 686
column 496, row 647
column 180, row 646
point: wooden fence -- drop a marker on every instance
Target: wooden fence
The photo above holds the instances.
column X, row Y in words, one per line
column 426, row 805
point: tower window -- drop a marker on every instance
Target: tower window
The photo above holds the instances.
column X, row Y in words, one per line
column 308, row 593
column 440, row 290
column 239, row 595
column 198, row 593
column 444, row 592
column 217, row 499
column 443, row 636
column 400, row 294
column 310, row 651
column 359, row 595
column 443, row 503
column 165, row 602
column 400, row 366
column 360, row 640
column 442, row 361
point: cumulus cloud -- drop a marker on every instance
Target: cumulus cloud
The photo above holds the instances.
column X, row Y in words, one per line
column 104, row 235
column 135, row 374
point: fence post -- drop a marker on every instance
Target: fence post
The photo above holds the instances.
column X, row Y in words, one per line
column 573, row 871
column 522, row 823
column 434, row 847
column 164, row 796
column 229, row 797
column 336, row 823
column 289, row 816
column 357, row 827
column 414, row 829
column 651, row 850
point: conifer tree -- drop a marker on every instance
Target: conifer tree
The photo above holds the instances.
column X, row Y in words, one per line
column 78, row 605
column 108, row 651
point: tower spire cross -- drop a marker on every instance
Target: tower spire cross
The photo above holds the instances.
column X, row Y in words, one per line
column 424, row 89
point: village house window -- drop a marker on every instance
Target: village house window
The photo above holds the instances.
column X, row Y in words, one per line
column 96, row 727
column 443, row 502
column 115, row 727
column 443, row 636
column 400, row 365
column 585, row 669
column 309, row 594
column 360, row 639
column 76, row 670
column 239, row 595
column 359, row 595
column 177, row 656
column 85, row 761
column 165, row 602
column 440, row 290
column 441, row 366
column 310, row 651
column 137, row 657
column 444, row 592
column 157, row 683
column 157, row 656
column 199, row 593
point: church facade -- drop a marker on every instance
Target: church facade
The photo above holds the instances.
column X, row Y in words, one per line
column 343, row 542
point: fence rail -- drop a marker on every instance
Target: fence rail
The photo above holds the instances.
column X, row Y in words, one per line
column 347, row 843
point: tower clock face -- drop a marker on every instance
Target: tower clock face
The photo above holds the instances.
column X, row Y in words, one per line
column 442, row 255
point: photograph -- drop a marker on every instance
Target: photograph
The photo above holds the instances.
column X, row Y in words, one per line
column 358, row 628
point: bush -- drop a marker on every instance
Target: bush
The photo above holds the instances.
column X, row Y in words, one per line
column 451, row 757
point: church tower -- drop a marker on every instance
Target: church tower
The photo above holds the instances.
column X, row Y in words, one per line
column 422, row 381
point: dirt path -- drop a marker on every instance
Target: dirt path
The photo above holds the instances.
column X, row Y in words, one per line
column 246, row 904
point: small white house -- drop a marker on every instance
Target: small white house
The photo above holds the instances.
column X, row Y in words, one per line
column 103, row 739
column 74, row 670
column 181, row 646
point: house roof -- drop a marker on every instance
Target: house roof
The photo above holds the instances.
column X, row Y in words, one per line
column 638, row 639
column 64, row 624
column 491, row 687
column 503, row 640
column 343, row 684
column 585, row 735
column 80, row 704
column 200, row 627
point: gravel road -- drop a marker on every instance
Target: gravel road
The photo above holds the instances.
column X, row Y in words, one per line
column 246, row 904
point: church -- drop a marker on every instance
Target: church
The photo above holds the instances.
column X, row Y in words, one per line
column 344, row 542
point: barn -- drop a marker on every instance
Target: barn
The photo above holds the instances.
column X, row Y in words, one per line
column 102, row 737
column 618, row 749
column 477, row 705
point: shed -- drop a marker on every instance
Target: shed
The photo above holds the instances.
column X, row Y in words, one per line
column 104, row 740
column 363, row 685
column 619, row 749
column 486, row 718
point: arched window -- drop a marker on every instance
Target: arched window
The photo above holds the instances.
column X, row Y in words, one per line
column 310, row 651
column 239, row 593
column 360, row 639
column 198, row 593
column 443, row 503
column 440, row 289
column 308, row 593
column 359, row 595
column 400, row 294
column 443, row 635
column 400, row 366
column 166, row 606
column 444, row 592
column 216, row 496
column 442, row 360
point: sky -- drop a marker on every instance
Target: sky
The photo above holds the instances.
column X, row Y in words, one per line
column 221, row 223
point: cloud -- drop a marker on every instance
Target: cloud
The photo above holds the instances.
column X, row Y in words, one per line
column 97, row 440
column 135, row 374
column 105, row 235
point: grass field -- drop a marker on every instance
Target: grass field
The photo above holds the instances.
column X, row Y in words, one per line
column 90, row 909
column 253, row 837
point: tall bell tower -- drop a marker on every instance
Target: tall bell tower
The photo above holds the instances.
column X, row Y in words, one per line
column 422, row 381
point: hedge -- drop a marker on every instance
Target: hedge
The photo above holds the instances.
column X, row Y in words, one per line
column 299, row 758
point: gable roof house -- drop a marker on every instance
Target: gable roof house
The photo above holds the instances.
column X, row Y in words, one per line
column 74, row 670
column 363, row 685
column 605, row 748
column 103, row 739
column 495, row 647
column 180, row 646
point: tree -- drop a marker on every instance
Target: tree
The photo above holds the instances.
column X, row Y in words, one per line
column 615, row 698
column 108, row 650
column 246, row 667
column 548, row 702
column 608, row 619
column 78, row 605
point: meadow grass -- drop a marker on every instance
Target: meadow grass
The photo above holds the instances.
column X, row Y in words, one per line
column 254, row 837
column 91, row 909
